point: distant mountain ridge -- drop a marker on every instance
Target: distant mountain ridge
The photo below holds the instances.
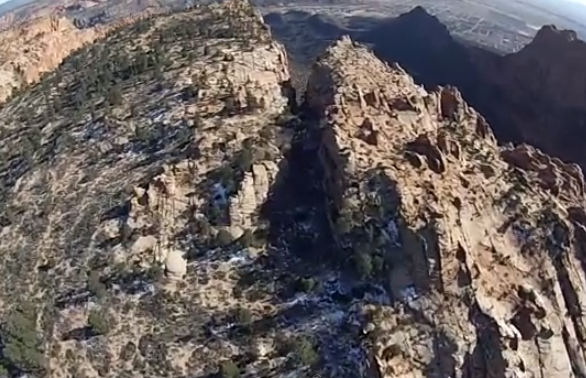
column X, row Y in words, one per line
column 536, row 95
column 167, row 209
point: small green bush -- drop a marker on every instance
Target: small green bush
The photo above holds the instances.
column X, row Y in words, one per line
column 228, row 369
column 224, row 238
column 247, row 239
column 95, row 285
column 244, row 316
column 99, row 322
column 306, row 285
column 305, row 351
column 363, row 264
column 22, row 345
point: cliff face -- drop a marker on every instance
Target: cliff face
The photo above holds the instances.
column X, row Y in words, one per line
column 542, row 92
column 36, row 47
column 536, row 95
column 167, row 209
column 481, row 247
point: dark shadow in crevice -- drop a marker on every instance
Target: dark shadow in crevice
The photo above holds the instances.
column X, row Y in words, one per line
column 487, row 353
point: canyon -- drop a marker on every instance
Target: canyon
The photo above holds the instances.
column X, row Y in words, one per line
column 536, row 95
column 185, row 197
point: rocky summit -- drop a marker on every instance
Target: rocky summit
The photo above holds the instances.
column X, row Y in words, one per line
column 535, row 95
column 478, row 246
column 169, row 210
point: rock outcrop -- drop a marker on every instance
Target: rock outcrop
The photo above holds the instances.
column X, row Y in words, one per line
column 38, row 46
column 535, row 95
column 167, row 209
column 481, row 247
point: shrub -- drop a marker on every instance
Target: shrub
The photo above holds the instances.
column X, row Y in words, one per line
column 99, row 322
column 224, row 238
column 244, row 316
column 22, row 346
column 305, row 351
column 306, row 285
column 247, row 239
column 228, row 369
column 245, row 160
column 260, row 238
column 363, row 264
column 95, row 285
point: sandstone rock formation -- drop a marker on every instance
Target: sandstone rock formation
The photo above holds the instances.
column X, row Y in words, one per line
column 481, row 245
column 37, row 47
column 166, row 209
column 535, row 95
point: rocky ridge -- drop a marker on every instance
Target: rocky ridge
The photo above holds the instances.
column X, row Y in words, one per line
column 33, row 48
column 535, row 95
column 168, row 209
column 482, row 245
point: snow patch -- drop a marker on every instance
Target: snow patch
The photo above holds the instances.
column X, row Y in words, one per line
column 157, row 115
column 409, row 294
column 220, row 194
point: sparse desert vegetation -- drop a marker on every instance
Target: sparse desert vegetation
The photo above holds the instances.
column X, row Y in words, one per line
column 171, row 207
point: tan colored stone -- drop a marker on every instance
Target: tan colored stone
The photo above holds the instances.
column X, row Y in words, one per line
column 175, row 265
column 481, row 233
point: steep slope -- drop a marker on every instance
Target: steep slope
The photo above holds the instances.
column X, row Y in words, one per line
column 140, row 152
column 37, row 47
column 481, row 247
column 542, row 93
column 536, row 95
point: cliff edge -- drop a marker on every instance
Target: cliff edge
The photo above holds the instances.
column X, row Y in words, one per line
column 480, row 246
column 535, row 95
column 167, row 209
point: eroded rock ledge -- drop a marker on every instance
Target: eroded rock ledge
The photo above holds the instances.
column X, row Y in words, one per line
column 482, row 247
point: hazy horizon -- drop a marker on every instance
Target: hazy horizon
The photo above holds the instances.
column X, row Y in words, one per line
column 580, row 2
column 572, row 9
